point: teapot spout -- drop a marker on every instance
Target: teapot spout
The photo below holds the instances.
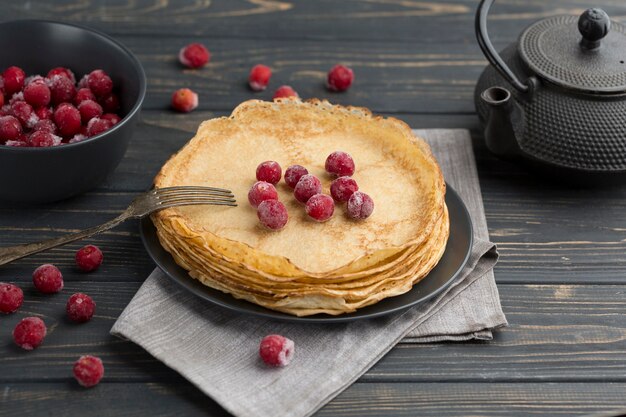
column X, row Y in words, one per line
column 504, row 120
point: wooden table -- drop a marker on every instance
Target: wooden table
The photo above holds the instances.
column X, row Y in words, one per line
column 562, row 274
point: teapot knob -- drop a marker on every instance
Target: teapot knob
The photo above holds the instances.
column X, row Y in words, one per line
column 593, row 24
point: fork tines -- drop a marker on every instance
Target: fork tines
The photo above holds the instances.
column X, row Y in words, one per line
column 175, row 196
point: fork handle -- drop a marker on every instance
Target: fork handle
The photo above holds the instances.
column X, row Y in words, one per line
column 12, row 253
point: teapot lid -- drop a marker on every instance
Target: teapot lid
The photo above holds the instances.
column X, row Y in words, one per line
column 594, row 63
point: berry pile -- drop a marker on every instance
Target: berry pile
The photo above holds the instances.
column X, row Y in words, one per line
column 307, row 189
column 30, row 332
column 38, row 111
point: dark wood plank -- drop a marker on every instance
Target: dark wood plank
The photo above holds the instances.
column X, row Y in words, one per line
column 557, row 333
column 360, row 399
column 440, row 22
column 388, row 77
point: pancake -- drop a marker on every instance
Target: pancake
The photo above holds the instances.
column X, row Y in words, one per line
column 308, row 267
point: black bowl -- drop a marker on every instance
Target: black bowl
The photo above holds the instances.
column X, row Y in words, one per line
column 37, row 175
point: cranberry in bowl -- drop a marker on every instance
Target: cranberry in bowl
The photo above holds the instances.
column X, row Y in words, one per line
column 75, row 126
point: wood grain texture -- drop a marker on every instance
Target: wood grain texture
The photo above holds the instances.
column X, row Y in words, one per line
column 359, row 400
column 562, row 273
column 557, row 333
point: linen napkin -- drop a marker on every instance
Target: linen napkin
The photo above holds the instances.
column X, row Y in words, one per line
column 217, row 350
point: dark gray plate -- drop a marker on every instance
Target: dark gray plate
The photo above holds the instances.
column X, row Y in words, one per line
column 454, row 259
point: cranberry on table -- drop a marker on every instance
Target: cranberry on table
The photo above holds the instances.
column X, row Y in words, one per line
column 13, row 78
column 259, row 77
column 342, row 188
column 184, row 100
column 11, row 298
column 320, row 207
column 284, row 91
column 276, row 350
column 340, row 163
column 269, row 171
column 273, row 214
column 194, row 55
column 339, row 78
column 293, row 174
column 307, row 187
column 360, row 206
column 99, row 83
column 261, row 191
column 67, row 119
column 80, row 308
column 48, row 279
column 88, row 370
column 10, row 128
column 89, row 258
column 29, row 333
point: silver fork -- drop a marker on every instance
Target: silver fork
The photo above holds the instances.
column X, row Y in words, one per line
column 154, row 200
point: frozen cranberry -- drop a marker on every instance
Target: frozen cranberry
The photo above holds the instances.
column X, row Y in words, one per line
column 45, row 125
column 259, row 77
column 37, row 94
column 340, row 164
column 82, row 95
column 269, row 171
column 62, row 89
column 273, row 214
column 24, row 113
column 342, row 188
column 10, row 128
column 13, row 80
column 48, row 279
column 360, row 206
column 80, row 308
column 260, row 192
column 339, row 78
column 17, row 143
column 320, row 207
column 293, row 174
column 88, row 110
column 99, row 83
column 11, row 298
column 88, row 370
column 307, row 187
column 43, row 139
column 88, row 258
column 29, row 333
column 65, row 72
column 276, row 350
column 284, row 91
column 111, row 117
column 110, row 104
column 97, row 126
column 77, row 138
column 44, row 113
column 194, row 55
column 184, row 100
column 67, row 119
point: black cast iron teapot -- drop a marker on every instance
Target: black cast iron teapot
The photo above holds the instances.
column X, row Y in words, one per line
column 557, row 98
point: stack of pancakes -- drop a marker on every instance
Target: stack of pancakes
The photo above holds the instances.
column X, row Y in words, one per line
column 308, row 267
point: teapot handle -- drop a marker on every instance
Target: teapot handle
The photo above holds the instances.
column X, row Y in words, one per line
column 490, row 53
